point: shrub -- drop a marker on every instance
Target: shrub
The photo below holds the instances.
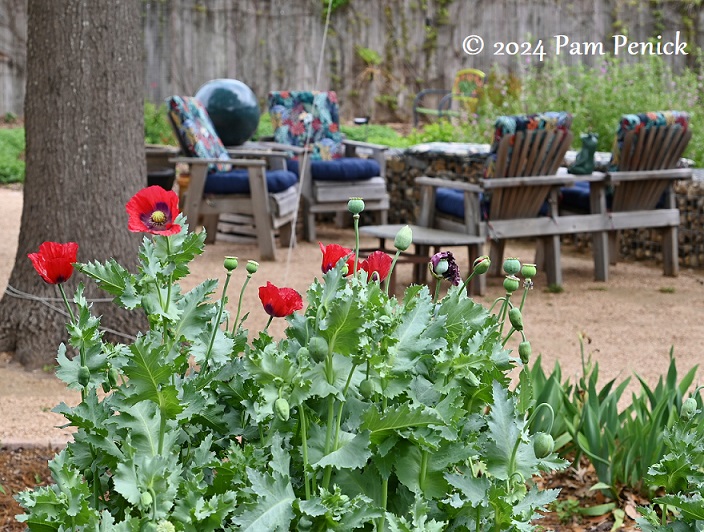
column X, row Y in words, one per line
column 371, row 413
column 12, row 155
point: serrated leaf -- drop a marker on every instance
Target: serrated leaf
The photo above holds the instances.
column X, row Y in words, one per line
column 111, row 277
column 194, row 314
column 352, row 452
column 149, row 378
column 472, row 489
column 272, row 510
column 396, row 418
column 341, row 325
column 505, row 429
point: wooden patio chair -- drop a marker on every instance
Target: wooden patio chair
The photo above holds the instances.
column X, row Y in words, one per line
column 255, row 186
column 645, row 163
column 307, row 123
column 464, row 95
column 517, row 198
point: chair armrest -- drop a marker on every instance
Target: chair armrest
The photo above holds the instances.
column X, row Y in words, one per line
column 540, row 180
column 237, row 153
column 643, row 175
column 232, row 162
column 447, row 183
column 284, row 147
column 367, row 145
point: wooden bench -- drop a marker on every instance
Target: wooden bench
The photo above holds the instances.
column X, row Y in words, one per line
column 425, row 238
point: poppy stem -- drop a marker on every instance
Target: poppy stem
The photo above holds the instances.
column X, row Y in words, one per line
column 469, row 278
column 437, row 290
column 239, row 304
column 68, row 307
column 216, row 325
column 391, row 270
column 268, row 323
column 355, row 217
column 171, row 281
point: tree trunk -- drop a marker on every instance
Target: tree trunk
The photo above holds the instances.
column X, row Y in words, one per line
column 84, row 159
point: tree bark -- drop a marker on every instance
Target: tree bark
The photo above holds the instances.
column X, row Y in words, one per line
column 84, row 159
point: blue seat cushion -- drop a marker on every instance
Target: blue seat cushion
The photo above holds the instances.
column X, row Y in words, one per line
column 576, row 197
column 343, row 169
column 237, row 181
column 451, row 201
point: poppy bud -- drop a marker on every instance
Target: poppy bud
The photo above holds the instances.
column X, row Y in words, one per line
column 481, row 265
column 543, row 444
column 528, row 271
column 512, row 266
column 282, row 409
column 355, row 205
column 230, row 263
column 404, row 238
column 524, row 351
column 516, row 319
column 511, row 283
column 689, row 408
column 252, row 266
column 83, row 376
column 146, row 498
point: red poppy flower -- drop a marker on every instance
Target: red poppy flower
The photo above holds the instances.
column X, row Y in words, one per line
column 332, row 253
column 153, row 210
column 279, row 302
column 54, row 261
column 377, row 265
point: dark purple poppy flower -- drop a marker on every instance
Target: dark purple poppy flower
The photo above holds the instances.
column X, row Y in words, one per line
column 443, row 266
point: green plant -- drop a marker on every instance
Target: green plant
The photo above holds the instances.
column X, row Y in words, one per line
column 398, row 416
column 680, row 474
column 12, row 145
column 157, row 129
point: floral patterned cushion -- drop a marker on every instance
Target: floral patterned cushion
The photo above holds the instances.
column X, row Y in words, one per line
column 312, row 117
column 639, row 121
column 195, row 131
column 509, row 125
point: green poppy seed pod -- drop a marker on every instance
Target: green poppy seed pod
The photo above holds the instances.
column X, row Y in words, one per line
column 355, row 205
column 440, row 268
column 404, row 238
column 83, row 376
column 511, row 283
column 689, row 408
column 512, row 266
column 524, row 351
column 252, row 266
column 543, row 444
column 481, row 265
column 528, row 271
column 516, row 319
column 230, row 263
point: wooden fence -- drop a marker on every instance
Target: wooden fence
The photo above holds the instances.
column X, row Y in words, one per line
column 378, row 53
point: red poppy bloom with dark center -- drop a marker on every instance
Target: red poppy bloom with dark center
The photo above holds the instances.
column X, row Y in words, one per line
column 377, row 265
column 279, row 302
column 54, row 261
column 153, row 210
column 332, row 253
